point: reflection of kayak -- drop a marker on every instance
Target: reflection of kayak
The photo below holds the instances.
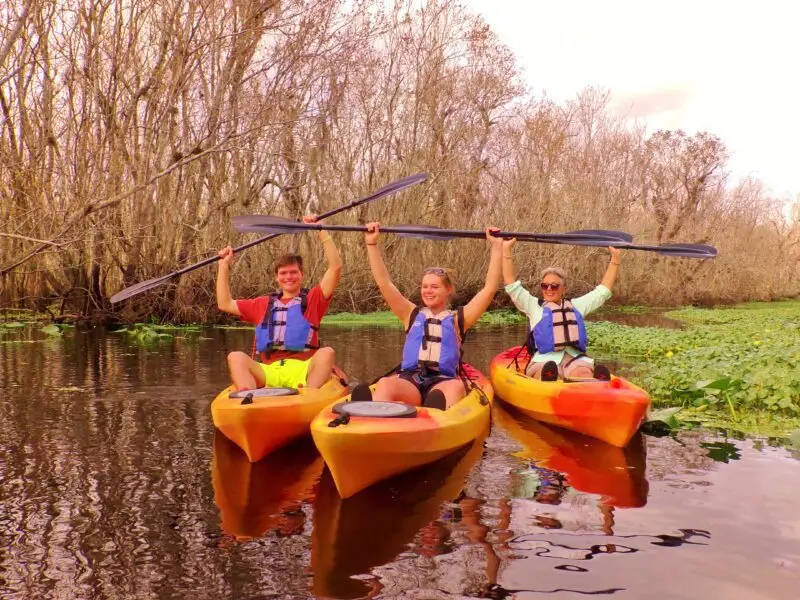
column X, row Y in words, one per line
column 367, row 449
column 271, row 421
column 611, row 411
column 370, row 529
column 590, row 466
column 252, row 497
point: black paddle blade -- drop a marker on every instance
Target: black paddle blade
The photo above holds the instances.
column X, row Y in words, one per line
column 140, row 287
column 393, row 188
column 267, row 224
column 687, row 250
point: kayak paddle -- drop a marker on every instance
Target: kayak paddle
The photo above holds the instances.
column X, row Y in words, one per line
column 586, row 237
column 583, row 237
column 389, row 189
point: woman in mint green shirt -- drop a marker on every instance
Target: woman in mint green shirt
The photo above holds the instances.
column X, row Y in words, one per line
column 556, row 323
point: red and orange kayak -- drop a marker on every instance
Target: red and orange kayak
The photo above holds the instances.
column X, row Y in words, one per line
column 363, row 450
column 271, row 421
column 611, row 411
column 590, row 466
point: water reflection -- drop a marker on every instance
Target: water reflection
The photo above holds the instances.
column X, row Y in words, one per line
column 113, row 485
column 254, row 498
column 560, row 459
column 373, row 527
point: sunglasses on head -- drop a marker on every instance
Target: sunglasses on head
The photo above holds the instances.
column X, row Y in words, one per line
column 549, row 286
column 435, row 271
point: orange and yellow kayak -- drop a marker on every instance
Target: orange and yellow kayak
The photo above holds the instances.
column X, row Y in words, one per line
column 611, row 411
column 590, row 466
column 254, row 498
column 363, row 450
column 270, row 422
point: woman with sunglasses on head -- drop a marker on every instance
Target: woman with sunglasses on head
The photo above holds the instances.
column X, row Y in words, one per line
column 432, row 351
column 557, row 336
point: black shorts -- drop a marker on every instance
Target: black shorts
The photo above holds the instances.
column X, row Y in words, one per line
column 423, row 381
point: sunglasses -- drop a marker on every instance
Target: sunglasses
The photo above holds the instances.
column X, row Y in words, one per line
column 435, row 271
column 549, row 286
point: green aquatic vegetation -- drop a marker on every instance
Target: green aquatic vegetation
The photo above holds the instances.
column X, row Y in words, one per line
column 181, row 328
column 387, row 319
column 11, row 325
column 144, row 334
column 737, row 360
column 503, row 316
column 384, row 318
column 52, row 330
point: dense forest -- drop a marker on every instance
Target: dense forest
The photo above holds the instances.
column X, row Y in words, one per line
column 132, row 132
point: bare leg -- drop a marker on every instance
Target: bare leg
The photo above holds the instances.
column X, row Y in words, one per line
column 453, row 390
column 394, row 389
column 320, row 367
column 246, row 373
column 579, row 368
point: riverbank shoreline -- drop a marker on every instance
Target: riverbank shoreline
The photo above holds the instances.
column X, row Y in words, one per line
column 727, row 367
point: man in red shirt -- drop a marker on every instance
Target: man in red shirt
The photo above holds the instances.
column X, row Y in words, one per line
column 286, row 334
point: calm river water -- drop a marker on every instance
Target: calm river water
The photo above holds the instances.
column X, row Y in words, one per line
column 114, row 485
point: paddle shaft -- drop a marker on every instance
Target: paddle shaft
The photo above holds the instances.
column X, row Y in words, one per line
column 430, row 231
column 579, row 238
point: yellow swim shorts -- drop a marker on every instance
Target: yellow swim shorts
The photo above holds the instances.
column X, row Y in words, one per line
column 287, row 372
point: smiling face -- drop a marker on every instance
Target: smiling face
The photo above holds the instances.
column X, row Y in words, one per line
column 553, row 288
column 290, row 279
column 435, row 291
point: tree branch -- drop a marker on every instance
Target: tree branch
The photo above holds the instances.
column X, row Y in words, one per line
column 99, row 205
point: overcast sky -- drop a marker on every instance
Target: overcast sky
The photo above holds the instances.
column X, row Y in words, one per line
column 731, row 68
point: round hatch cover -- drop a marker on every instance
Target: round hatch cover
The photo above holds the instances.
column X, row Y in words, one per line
column 375, row 409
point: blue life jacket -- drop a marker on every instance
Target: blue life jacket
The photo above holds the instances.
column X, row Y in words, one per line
column 424, row 349
column 297, row 334
column 561, row 326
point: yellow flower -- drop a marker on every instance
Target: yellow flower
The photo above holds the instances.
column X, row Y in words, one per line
column 669, row 354
column 757, row 342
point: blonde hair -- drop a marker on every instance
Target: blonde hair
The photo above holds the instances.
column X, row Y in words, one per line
column 440, row 272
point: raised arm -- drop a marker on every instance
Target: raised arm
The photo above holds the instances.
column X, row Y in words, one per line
column 334, row 271
column 398, row 304
column 225, row 301
column 481, row 301
column 509, row 270
column 613, row 268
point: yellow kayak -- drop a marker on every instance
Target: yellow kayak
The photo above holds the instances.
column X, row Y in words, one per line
column 362, row 450
column 254, row 498
column 352, row 536
column 611, row 411
column 275, row 417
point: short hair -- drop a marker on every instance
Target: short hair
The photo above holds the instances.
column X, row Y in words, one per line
column 554, row 271
column 284, row 260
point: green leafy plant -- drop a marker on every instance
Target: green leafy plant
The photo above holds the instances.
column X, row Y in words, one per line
column 141, row 333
